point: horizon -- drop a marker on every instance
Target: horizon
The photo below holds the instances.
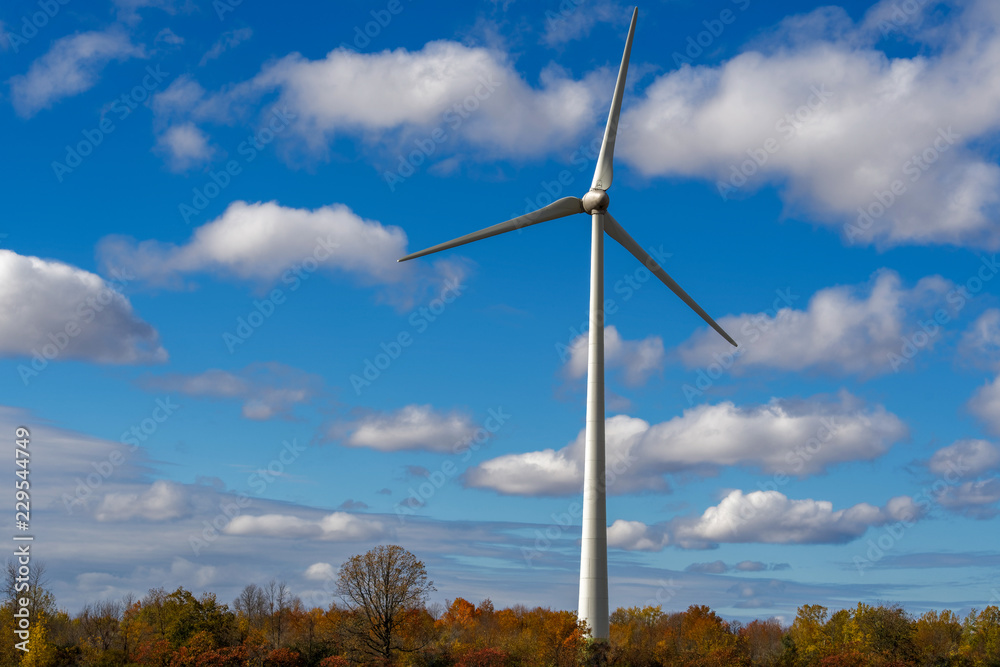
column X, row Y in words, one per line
column 227, row 377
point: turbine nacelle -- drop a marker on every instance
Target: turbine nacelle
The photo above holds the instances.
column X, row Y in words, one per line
column 595, row 201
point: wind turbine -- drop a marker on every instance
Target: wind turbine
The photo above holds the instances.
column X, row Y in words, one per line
column 593, row 606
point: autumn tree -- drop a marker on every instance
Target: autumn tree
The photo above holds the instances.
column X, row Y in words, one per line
column 42, row 653
column 634, row 632
column 937, row 637
column 808, row 640
column 981, row 637
column 762, row 641
column 379, row 587
column 887, row 633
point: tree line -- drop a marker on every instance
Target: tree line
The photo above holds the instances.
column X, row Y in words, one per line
column 381, row 617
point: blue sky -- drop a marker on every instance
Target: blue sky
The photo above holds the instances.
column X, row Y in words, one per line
column 228, row 377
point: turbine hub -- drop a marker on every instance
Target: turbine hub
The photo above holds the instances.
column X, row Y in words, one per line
column 595, row 201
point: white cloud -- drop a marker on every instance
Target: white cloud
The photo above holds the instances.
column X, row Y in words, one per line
column 844, row 329
column 320, row 572
column 265, row 242
column 338, row 526
column 412, row 427
column 185, row 145
column 636, row 536
column 980, row 344
column 637, row 359
column 770, row 517
column 393, row 98
column 229, row 40
column 59, row 311
column 71, row 66
column 977, row 499
column 163, row 501
column 985, row 404
column 267, row 390
column 793, row 438
column 965, row 459
column 860, row 135
column 761, row 517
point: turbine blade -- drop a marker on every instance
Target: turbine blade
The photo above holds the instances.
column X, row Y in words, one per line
column 557, row 209
column 604, row 171
column 618, row 233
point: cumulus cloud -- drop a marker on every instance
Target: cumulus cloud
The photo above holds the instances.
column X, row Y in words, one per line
column 265, row 242
column 636, row 359
column 67, row 313
column 980, row 344
column 767, row 517
column 843, row 330
column 338, row 526
column 836, row 122
column 185, row 145
column 969, row 467
column 411, row 427
column 268, row 390
column 636, row 536
column 72, row 65
column 391, row 98
column 965, row 459
column 985, row 404
column 320, row 572
column 162, row 501
column 974, row 499
column 790, row 437
column 771, row 517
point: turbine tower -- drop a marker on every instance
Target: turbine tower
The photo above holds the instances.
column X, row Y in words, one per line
column 593, row 606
